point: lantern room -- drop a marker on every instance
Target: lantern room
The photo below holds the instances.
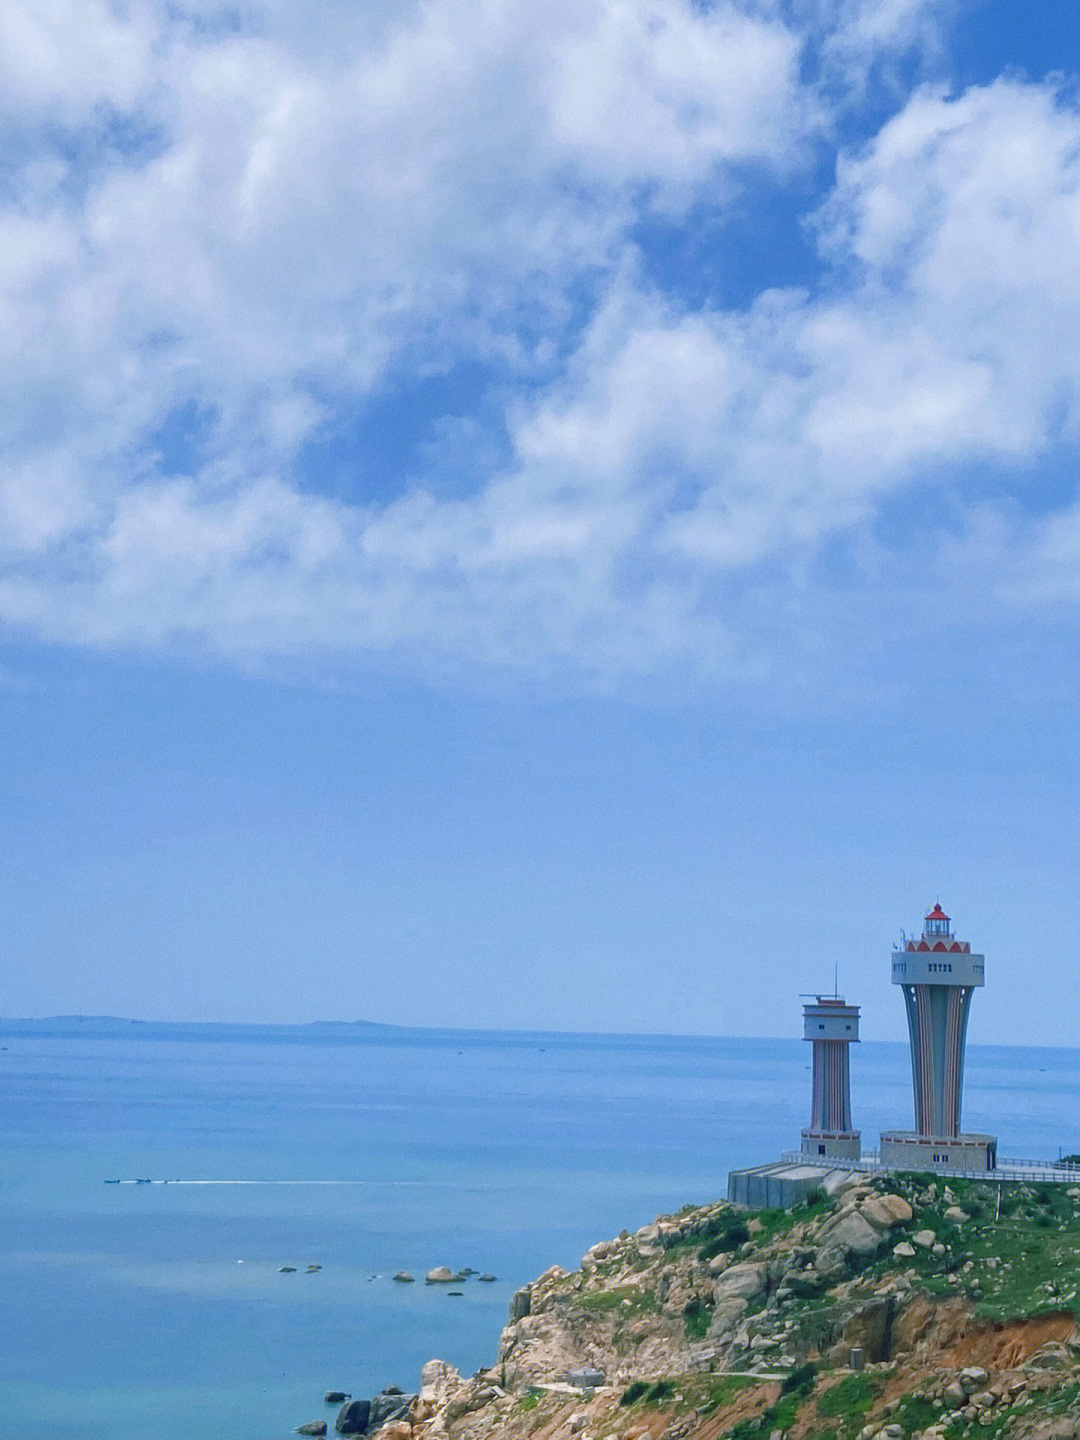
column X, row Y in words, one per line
column 936, row 925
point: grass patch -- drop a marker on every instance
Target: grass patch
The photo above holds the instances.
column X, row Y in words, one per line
column 778, row 1222
column 782, row 1413
column 723, row 1390
column 529, row 1402
column 635, row 1391
column 626, row 1300
column 1029, row 1233
column 848, row 1400
column 916, row 1413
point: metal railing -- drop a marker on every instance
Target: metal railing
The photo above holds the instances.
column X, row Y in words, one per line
column 1040, row 1172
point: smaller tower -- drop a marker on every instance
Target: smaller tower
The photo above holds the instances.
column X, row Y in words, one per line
column 832, row 1026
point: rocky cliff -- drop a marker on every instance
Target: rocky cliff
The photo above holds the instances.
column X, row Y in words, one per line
column 893, row 1308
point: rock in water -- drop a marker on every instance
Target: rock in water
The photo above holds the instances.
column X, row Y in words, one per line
column 390, row 1405
column 486, row 1279
column 336, row 1397
column 353, row 1417
column 313, row 1427
column 287, row 1270
column 442, row 1275
column 403, row 1277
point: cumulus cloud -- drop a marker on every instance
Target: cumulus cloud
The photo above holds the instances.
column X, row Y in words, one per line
column 250, row 227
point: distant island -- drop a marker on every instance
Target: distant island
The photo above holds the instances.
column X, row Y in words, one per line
column 902, row 1307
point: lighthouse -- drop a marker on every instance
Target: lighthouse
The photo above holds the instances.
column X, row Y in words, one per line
column 832, row 1026
column 937, row 975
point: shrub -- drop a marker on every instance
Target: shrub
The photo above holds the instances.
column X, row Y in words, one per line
column 799, row 1380
column 728, row 1232
column 696, row 1317
column 634, row 1392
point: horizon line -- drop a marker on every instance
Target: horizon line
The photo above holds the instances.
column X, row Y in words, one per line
column 358, row 1025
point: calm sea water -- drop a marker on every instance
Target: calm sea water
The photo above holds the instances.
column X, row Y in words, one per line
column 160, row 1310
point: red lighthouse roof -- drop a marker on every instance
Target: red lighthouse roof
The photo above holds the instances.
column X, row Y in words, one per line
column 937, row 913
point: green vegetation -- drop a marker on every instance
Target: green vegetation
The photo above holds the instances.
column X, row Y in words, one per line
column 849, row 1399
column 627, row 1300
column 696, row 1318
column 1017, row 1255
column 782, row 1413
column 725, row 1232
column 529, row 1401
column 722, row 1390
column 652, row 1394
column 800, row 1379
column 778, row 1222
column 916, row 1413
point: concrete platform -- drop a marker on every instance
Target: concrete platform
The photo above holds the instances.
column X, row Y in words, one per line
column 781, row 1184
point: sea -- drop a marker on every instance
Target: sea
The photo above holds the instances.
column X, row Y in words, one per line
column 153, row 1309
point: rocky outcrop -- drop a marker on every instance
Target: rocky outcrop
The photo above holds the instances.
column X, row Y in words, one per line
column 353, row 1417
column 740, row 1282
column 634, row 1345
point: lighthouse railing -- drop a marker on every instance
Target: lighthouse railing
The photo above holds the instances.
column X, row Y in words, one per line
column 1039, row 1172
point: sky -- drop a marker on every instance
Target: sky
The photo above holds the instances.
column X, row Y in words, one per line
column 556, row 517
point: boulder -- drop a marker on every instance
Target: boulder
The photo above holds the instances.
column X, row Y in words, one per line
column 388, row 1406
column 853, row 1233
column 904, row 1251
column 923, row 1238
column 353, row 1417
column 726, row 1316
column 486, row 1279
column 438, row 1380
column 886, row 1211
column 396, row 1430
column 443, row 1275
column 520, row 1304
column 955, row 1214
column 313, row 1427
column 336, row 1397
column 955, row 1395
column 740, row 1282
column 647, row 1241
column 403, row 1277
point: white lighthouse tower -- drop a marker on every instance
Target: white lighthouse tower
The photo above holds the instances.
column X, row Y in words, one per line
column 833, row 1027
column 938, row 975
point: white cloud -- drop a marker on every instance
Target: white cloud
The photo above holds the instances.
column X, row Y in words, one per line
column 300, row 217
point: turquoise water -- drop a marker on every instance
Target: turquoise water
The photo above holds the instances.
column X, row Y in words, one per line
column 128, row 1312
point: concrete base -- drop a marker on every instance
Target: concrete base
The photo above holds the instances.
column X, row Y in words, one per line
column 780, row 1185
column 823, row 1144
column 902, row 1150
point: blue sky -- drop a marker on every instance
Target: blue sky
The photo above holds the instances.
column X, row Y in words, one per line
column 551, row 516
